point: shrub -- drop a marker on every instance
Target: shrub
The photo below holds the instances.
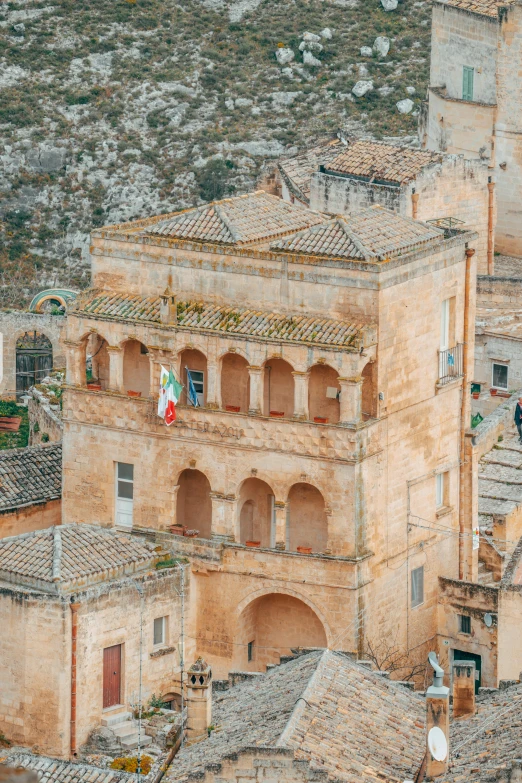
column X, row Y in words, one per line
column 130, row 764
column 45, row 437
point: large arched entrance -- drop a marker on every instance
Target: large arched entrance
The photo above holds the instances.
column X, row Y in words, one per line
column 194, row 505
column 34, row 359
column 256, row 513
column 270, row 626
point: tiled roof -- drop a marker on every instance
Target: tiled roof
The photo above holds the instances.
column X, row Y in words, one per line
column 55, row 771
column 483, row 746
column 375, row 233
column 229, row 320
column 67, row 553
column 500, row 481
column 297, row 171
column 30, row 475
column 376, row 160
column 481, row 7
column 341, row 717
column 245, row 220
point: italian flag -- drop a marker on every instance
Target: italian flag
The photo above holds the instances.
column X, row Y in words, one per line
column 170, row 391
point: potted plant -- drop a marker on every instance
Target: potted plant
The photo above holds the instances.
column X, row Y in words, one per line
column 191, row 533
column 94, row 386
column 493, row 392
column 277, row 414
column 253, row 543
column 320, row 420
column 233, row 408
column 133, row 393
column 178, row 530
column 304, row 550
column 475, row 395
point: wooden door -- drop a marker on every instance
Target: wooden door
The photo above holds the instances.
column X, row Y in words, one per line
column 111, row 676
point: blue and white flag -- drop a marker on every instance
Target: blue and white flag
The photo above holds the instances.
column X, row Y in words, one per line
column 193, row 397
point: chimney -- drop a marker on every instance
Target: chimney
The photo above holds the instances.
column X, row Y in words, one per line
column 199, row 699
column 437, row 722
column 463, row 689
column 168, row 309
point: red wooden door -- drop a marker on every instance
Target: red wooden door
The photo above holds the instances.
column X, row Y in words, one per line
column 111, row 675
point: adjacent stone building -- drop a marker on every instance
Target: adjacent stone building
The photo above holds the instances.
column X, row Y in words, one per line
column 326, row 442
column 475, row 99
column 74, row 601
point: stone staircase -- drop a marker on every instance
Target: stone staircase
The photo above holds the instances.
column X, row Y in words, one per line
column 485, row 576
column 125, row 728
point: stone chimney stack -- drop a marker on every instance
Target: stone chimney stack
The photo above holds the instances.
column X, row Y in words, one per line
column 168, row 308
column 199, row 698
column 463, row 689
column 437, row 723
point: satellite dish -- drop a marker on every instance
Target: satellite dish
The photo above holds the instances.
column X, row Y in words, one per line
column 488, row 619
column 438, row 744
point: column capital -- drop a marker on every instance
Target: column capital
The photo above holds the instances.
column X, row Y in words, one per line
column 353, row 381
column 254, row 368
column 301, row 374
column 114, row 349
column 74, row 343
column 280, row 504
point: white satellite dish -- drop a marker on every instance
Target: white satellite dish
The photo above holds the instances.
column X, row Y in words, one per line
column 488, row 620
column 438, row 744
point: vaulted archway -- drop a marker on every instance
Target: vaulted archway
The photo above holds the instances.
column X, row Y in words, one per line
column 256, row 513
column 235, row 383
column 193, row 503
column 307, row 524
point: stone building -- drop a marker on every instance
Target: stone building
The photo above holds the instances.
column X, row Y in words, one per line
column 474, row 99
column 329, row 422
column 343, row 176
column 30, row 489
column 73, row 602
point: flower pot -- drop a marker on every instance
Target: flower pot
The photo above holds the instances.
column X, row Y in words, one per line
column 191, row 533
column 493, row 392
column 277, row 414
column 232, row 408
column 133, row 394
column 320, row 420
column 476, row 395
column 178, row 530
column 253, row 543
column 94, row 386
column 304, row 550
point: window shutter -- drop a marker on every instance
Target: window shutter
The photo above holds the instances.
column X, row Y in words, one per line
column 467, row 83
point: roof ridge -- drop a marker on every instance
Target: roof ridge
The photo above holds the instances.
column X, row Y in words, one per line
column 220, row 212
column 301, row 703
column 365, row 252
column 57, row 554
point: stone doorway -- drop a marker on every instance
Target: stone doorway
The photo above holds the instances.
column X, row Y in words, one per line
column 34, row 360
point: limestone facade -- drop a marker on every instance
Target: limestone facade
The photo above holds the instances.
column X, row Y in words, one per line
column 474, row 99
column 309, row 505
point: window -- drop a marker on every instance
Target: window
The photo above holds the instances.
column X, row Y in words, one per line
column 124, row 494
column 160, row 630
column 464, row 623
column 467, row 83
column 441, row 490
column 444, row 325
column 417, row 587
column 251, row 651
column 199, row 387
column 500, row 376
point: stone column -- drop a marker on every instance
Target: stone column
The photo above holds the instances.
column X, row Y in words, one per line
column 75, row 363
column 351, row 400
column 280, row 525
column 223, row 507
column 301, row 395
column 255, row 403
column 213, row 391
column 153, row 376
column 115, row 368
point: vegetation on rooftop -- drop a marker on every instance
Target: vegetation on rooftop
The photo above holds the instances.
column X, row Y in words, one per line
column 14, row 440
column 130, row 764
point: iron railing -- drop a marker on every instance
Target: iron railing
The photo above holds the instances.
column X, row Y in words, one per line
column 451, row 364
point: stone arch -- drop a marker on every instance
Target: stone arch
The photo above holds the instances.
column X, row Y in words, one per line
column 172, row 698
column 193, row 502
column 34, row 359
column 59, row 296
column 323, row 394
column 136, row 368
column 270, row 622
column 278, row 395
column 255, row 509
column 307, row 523
column 369, row 391
column 96, row 360
column 196, row 361
column 235, row 383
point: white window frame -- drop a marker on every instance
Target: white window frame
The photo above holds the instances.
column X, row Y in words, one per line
column 124, row 511
column 444, row 324
column 200, row 395
column 163, row 621
column 496, row 386
column 416, row 600
column 440, row 487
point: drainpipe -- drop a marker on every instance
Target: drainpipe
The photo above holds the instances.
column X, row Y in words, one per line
column 414, row 204
column 74, row 639
column 464, row 507
column 491, row 201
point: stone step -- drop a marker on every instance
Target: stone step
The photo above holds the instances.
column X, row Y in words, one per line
column 114, row 718
column 132, row 742
column 124, row 729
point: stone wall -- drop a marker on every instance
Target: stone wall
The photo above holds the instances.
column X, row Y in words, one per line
column 43, row 420
column 34, row 517
column 340, row 195
column 263, row 765
column 499, row 292
column 490, row 348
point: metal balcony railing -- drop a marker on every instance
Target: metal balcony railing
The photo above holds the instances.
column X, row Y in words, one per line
column 451, row 364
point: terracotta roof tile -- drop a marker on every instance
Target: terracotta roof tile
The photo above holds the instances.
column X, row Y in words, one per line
column 56, row 771
column 297, row 171
column 245, row 220
column 30, row 475
column 371, row 234
column 221, row 319
column 380, row 161
column 481, row 7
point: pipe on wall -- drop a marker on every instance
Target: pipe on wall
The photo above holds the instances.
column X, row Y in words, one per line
column 464, row 419
column 491, row 249
column 74, row 642
column 414, row 205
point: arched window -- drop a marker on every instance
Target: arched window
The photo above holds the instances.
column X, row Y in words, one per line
column 97, row 362
column 34, row 359
column 235, row 383
column 307, row 523
column 279, row 389
column 136, row 369
column 323, row 394
column 196, row 363
column 193, row 505
column 256, row 513
column 369, row 391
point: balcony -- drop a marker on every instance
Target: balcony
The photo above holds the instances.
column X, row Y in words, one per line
column 451, row 365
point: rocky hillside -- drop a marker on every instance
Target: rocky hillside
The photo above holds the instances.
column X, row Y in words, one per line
column 114, row 109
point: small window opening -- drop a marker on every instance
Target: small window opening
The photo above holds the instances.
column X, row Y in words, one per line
column 160, row 624
column 417, row 586
column 251, row 651
column 464, row 623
